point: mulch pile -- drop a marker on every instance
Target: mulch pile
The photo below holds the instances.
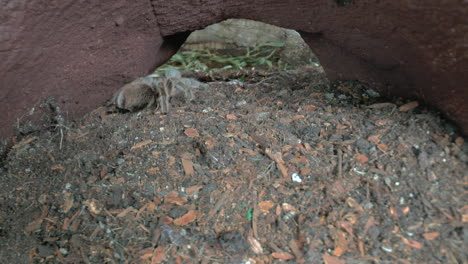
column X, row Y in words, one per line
column 283, row 167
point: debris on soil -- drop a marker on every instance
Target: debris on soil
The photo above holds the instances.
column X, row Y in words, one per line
column 279, row 167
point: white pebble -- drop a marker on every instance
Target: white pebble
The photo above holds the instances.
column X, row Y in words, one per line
column 296, row 178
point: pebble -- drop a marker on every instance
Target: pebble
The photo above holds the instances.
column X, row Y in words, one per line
column 387, row 249
column 296, row 178
column 329, row 96
column 262, row 116
column 372, row 93
column 241, row 103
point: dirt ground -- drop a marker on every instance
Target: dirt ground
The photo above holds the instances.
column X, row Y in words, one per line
column 280, row 168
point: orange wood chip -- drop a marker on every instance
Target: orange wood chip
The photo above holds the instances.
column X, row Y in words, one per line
column 459, row 141
column 309, row 108
column 191, row 132
column 126, row 212
column 209, row 143
column 412, row 243
column 282, row 255
column 146, row 253
column 231, row 117
column 58, row 168
column 193, row 190
column 383, row 122
column 341, row 244
column 265, row 206
column 408, row 106
column 431, row 236
column 24, row 142
column 248, row 151
column 159, row 255
column 186, row 218
column 374, row 139
column 141, row 144
column 175, row 200
column 230, row 127
column 354, row 204
column 338, row 251
column 153, row 171
column 382, row 147
column 297, row 117
column 361, row 158
column 332, row 260
column 171, row 161
column 188, row 166
column 287, row 208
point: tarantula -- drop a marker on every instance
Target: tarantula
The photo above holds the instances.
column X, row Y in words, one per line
column 143, row 92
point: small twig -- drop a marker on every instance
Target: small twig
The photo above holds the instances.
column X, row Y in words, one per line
column 340, row 163
column 218, row 205
column 61, row 138
column 255, row 214
column 264, row 80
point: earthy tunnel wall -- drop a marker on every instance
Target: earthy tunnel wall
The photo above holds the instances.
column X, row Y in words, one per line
column 82, row 51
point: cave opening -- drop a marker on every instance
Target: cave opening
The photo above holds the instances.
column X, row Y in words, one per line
column 241, row 44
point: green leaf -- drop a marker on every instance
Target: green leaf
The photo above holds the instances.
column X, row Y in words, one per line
column 249, row 214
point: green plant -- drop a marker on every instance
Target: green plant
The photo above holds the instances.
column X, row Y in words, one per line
column 261, row 56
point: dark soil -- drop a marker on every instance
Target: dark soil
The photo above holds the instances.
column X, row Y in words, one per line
column 216, row 180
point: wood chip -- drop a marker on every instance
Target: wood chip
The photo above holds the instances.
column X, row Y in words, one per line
column 288, row 208
column 294, row 246
column 34, row 225
column 332, row 260
column 354, row 204
column 382, row 147
column 411, row 243
column 383, row 122
column 193, row 190
column 309, row 108
column 374, row 139
column 191, row 132
column 186, row 218
column 464, row 211
column 277, row 157
column 146, row 253
column 282, row 255
column 24, row 142
column 67, row 204
column 408, row 106
column 380, row 105
column 248, row 151
column 158, row 255
column 361, row 158
column 188, row 166
column 431, row 236
column 341, row 244
column 141, row 144
column 94, row 206
column 231, row 117
column 255, row 245
column 175, row 200
column 58, row 168
column 171, row 161
column 126, row 212
column 153, row 171
column 297, row 117
column 265, row 206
